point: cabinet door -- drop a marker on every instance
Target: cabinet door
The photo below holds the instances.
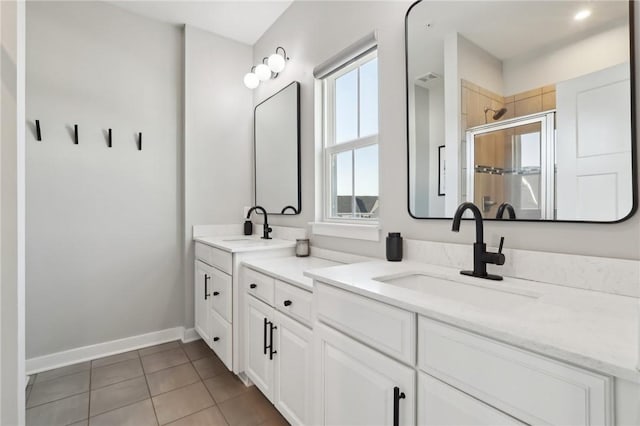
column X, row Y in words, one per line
column 292, row 393
column 202, row 291
column 356, row 385
column 442, row 405
column 258, row 338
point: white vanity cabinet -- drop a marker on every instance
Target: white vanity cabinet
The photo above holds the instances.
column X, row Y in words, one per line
column 278, row 344
column 218, row 311
column 365, row 349
column 212, row 307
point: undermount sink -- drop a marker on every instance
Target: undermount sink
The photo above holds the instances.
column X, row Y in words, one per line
column 475, row 293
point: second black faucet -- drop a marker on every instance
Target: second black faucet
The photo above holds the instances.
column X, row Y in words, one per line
column 266, row 230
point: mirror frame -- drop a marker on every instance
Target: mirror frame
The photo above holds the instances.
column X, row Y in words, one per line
column 297, row 208
column 634, row 151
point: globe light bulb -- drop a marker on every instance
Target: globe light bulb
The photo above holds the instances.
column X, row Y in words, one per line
column 263, row 72
column 251, row 80
column 276, row 62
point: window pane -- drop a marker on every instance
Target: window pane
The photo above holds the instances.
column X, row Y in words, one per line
column 369, row 98
column 366, row 181
column 341, row 184
column 347, row 107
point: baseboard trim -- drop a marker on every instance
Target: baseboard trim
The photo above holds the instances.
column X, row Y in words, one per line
column 190, row 335
column 113, row 347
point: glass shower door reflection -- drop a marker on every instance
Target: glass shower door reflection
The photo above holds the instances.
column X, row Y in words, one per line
column 508, row 164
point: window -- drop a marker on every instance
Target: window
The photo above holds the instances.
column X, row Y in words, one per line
column 350, row 141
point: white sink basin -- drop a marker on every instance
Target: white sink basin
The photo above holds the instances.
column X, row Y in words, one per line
column 476, row 292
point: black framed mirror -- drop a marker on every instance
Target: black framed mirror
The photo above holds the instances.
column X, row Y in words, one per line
column 521, row 106
column 277, row 151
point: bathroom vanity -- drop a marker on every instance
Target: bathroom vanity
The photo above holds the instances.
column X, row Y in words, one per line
column 218, row 313
column 411, row 343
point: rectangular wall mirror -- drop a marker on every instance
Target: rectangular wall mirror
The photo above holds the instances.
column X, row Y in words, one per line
column 277, row 152
column 521, row 107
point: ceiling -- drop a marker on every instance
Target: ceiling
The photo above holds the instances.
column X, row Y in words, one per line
column 242, row 20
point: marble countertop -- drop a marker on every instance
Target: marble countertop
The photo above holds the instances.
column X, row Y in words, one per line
column 244, row 243
column 594, row 330
column 290, row 269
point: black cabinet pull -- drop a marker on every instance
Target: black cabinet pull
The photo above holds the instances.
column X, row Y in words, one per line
column 271, row 351
column 216, row 293
column 264, row 337
column 253, row 285
column 215, row 339
column 397, row 396
column 287, row 303
column 206, row 282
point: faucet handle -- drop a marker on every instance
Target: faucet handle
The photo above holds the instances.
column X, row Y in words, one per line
column 501, row 244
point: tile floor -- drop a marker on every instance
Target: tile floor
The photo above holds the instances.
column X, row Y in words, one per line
column 173, row 383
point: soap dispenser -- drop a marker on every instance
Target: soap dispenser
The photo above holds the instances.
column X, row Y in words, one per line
column 248, row 227
column 394, row 247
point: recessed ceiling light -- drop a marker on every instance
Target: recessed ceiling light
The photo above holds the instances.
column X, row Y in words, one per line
column 583, row 14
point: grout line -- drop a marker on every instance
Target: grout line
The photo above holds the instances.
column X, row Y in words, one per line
column 196, row 412
column 60, row 377
column 124, row 406
column 153, row 405
column 118, row 382
column 59, row 399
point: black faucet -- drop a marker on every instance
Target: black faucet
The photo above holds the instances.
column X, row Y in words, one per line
column 480, row 254
column 509, row 208
column 265, row 227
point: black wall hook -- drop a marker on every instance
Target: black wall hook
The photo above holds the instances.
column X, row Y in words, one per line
column 140, row 141
column 109, row 142
column 38, row 133
column 75, row 133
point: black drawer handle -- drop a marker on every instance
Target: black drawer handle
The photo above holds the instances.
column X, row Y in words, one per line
column 216, row 293
column 271, row 351
column 397, row 396
column 264, row 337
column 287, row 303
column 206, row 291
column 253, row 285
column 215, row 339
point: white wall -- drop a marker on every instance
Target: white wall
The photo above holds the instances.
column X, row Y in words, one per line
column 312, row 32
column 12, row 213
column 104, row 226
column 559, row 63
column 218, row 138
column 479, row 66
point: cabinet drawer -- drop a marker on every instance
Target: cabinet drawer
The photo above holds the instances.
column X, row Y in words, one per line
column 221, row 338
column 260, row 285
column 214, row 257
column 221, row 294
column 529, row 387
column 442, row 405
column 386, row 328
column 293, row 301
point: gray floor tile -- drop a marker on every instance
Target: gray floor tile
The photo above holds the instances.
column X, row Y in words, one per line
column 209, row 417
column 62, row 371
column 61, row 412
column 225, row 386
column 138, row 414
column 158, row 348
column 59, row 388
column 101, row 362
column 162, row 360
column 81, row 423
column 197, row 350
column 209, row 367
column 249, row 409
column 114, row 373
column 172, row 378
column 27, row 392
column 118, row 395
column 181, row 402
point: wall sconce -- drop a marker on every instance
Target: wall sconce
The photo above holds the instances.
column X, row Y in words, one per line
column 274, row 64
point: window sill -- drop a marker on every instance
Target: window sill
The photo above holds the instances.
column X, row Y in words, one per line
column 356, row 231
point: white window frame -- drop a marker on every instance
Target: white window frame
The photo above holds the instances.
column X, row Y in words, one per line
column 330, row 147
